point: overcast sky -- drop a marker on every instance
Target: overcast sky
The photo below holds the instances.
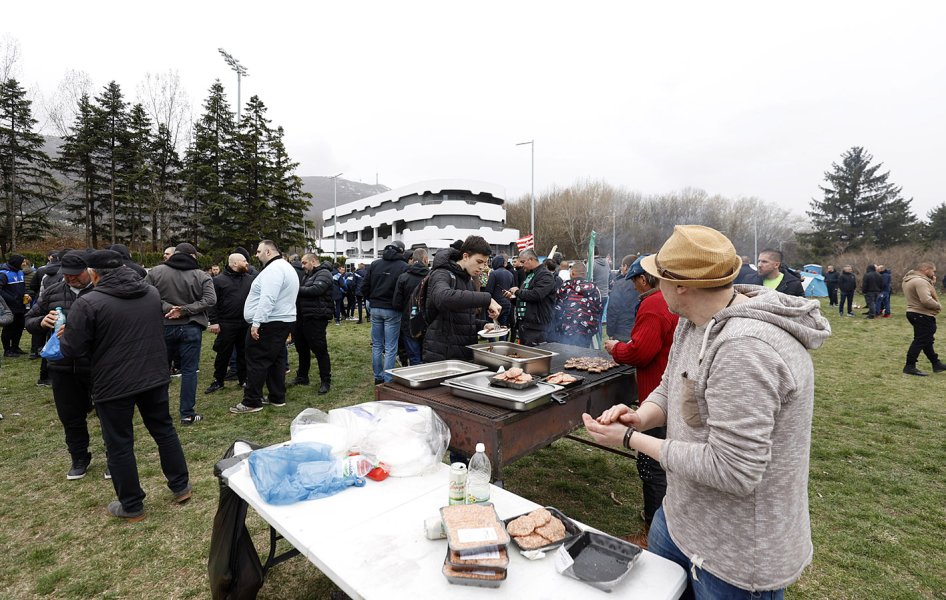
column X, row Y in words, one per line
column 737, row 98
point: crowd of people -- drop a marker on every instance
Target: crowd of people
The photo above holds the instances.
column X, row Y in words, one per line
column 723, row 472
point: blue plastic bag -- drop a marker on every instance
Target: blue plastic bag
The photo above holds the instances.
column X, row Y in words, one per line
column 302, row 471
column 52, row 351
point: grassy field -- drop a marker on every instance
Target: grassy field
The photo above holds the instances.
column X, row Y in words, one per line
column 877, row 486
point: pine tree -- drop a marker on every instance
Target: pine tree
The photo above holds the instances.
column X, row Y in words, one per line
column 288, row 201
column 27, row 186
column 77, row 159
column 935, row 229
column 112, row 115
column 208, row 173
column 165, row 212
column 254, row 178
column 136, row 174
column 860, row 206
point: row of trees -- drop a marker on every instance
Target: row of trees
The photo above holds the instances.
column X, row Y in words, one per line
column 122, row 179
column 635, row 223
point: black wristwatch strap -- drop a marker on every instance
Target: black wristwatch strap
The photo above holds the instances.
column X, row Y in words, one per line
column 627, row 437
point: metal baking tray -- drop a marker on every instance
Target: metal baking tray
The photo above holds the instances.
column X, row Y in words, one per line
column 533, row 361
column 432, row 374
column 476, row 386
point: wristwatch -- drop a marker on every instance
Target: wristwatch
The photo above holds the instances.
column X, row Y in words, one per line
column 627, row 437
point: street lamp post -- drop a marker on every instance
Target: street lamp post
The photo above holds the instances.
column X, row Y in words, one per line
column 335, row 216
column 240, row 71
column 532, row 188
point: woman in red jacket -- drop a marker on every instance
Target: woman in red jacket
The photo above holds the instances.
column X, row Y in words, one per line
column 647, row 351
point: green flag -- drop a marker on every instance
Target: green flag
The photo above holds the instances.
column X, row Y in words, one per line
column 591, row 254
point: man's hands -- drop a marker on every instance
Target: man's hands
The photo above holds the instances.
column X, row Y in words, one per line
column 609, row 345
column 49, row 321
column 254, row 333
column 174, row 313
column 494, row 309
column 611, row 426
column 214, row 329
column 511, row 292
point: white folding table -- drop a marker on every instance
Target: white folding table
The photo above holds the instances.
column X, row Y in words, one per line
column 370, row 541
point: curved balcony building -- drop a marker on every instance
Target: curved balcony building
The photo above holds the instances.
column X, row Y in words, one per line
column 427, row 214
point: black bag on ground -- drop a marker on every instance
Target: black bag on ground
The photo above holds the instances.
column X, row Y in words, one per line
column 234, row 567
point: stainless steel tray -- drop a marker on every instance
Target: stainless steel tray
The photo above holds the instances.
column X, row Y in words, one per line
column 475, row 386
column 533, row 361
column 432, row 374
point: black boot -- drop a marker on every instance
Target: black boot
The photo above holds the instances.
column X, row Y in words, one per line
column 326, row 386
column 939, row 367
column 912, row 370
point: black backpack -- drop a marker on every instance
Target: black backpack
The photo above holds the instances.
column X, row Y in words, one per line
column 420, row 318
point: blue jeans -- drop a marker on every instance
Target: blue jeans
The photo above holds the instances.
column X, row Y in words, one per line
column 385, row 328
column 883, row 303
column 184, row 340
column 701, row 584
column 415, row 349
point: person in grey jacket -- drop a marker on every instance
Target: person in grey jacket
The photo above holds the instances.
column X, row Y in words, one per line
column 187, row 292
column 623, row 304
column 737, row 399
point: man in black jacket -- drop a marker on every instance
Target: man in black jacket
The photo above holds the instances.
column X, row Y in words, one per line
column 226, row 319
column 831, row 279
column 127, row 260
column 871, row 286
column 771, row 274
column 378, row 289
column 13, row 292
column 71, row 378
column 535, row 300
column 118, row 327
column 452, row 301
column 314, row 309
column 403, row 300
column 622, row 308
column 51, row 268
column 847, row 284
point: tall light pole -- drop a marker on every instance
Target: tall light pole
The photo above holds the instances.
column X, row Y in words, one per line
column 335, row 217
column 532, row 189
column 240, row 71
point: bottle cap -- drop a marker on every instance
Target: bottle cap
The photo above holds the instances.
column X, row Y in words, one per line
column 481, row 447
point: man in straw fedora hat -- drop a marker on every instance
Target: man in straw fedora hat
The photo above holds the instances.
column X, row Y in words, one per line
column 736, row 398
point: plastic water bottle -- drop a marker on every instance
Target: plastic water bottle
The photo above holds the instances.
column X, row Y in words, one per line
column 60, row 319
column 356, row 465
column 478, row 475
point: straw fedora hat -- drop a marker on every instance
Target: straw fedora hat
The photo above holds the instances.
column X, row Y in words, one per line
column 695, row 256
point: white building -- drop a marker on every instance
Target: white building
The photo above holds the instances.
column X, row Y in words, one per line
column 427, row 214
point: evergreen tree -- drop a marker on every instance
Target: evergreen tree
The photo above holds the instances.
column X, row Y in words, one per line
column 860, row 206
column 136, row 174
column 112, row 116
column 208, row 173
column 165, row 212
column 27, row 187
column 77, row 159
column 935, row 228
column 289, row 202
column 254, row 177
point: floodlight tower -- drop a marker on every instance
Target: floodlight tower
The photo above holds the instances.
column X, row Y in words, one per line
column 240, row 71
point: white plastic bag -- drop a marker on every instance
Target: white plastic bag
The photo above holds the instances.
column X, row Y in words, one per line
column 409, row 439
column 312, row 425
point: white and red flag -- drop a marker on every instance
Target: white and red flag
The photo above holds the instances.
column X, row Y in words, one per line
column 526, row 243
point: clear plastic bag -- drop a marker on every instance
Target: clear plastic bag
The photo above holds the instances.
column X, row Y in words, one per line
column 408, row 439
column 298, row 471
column 312, row 425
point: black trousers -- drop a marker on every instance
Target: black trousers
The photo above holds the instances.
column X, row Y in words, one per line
column 265, row 363
column 871, row 299
column 833, row 294
column 846, row 297
column 72, row 393
column 232, row 337
column 309, row 336
column 11, row 334
column 118, row 432
column 529, row 336
column 924, row 329
column 653, row 478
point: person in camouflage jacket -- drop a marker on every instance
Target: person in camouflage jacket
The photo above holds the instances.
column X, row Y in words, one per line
column 578, row 309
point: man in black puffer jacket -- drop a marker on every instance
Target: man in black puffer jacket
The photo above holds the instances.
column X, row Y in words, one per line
column 119, row 327
column 71, row 378
column 452, row 321
column 378, row 290
column 226, row 319
column 535, row 300
column 403, row 301
column 771, row 274
column 314, row 309
column 871, row 286
column 36, row 286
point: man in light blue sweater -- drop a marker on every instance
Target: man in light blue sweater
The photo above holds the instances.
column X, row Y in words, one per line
column 270, row 310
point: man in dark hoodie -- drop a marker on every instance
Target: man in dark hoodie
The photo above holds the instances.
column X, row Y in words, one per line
column 452, row 301
column 51, row 268
column 127, row 260
column 359, row 278
column 71, row 378
column 831, row 280
column 187, row 293
column 500, row 280
column 378, row 289
column 118, row 328
column 883, row 300
column 771, row 274
column 403, row 301
column 314, row 309
column 13, row 292
column 871, row 286
column 226, row 319
column 847, row 285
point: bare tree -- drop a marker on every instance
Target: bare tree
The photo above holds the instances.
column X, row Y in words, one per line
column 166, row 102
column 10, row 55
column 61, row 107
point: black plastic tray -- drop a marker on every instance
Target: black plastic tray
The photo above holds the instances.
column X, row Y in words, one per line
column 513, row 386
column 601, row 560
column 579, row 379
column 572, row 531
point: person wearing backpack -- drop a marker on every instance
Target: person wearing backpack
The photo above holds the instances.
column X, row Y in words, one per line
column 338, row 294
column 404, row 291
column 451, row 301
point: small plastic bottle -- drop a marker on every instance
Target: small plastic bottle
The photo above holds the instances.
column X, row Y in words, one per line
column 478, row 476
column 356, row 465
column 60, row 319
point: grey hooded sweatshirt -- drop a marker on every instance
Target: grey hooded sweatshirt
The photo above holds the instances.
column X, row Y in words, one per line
column 738, row 394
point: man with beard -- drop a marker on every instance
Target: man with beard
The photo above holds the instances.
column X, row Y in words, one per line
column 314, row 307
column 187, row 292
column 226, row 319
column 71, row 378
column 535, row 299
